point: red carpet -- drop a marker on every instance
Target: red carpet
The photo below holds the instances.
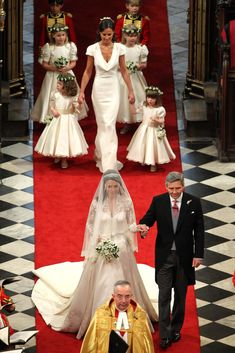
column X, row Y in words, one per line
column 62, row 197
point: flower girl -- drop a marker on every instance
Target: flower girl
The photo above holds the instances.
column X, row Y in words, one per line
column 57, row 57
column 149, row 144
column 63, row 138
column 136, row 60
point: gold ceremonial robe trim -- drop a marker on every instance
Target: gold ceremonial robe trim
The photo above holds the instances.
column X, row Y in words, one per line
column 97, row 337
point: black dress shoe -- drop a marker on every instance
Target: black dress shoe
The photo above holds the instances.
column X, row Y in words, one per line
column 176, row 337
column 165, row 343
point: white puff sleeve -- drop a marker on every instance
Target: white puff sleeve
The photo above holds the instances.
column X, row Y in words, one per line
column 73, row 52
column 46, row 53
column 90, row 50
column 121, row 48
column 161, row 112
column 144, row 54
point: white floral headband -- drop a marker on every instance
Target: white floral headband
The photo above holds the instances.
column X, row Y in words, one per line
column 65, row 78
column 153, row 90
column 131, row 30
column 55, row 29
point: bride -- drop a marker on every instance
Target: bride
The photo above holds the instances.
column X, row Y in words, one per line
column 111, row 225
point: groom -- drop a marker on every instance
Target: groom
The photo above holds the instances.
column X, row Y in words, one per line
column 178, row 251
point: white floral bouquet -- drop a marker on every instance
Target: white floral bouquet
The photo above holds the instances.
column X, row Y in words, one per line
column 47, row 119
column 108, row 250
column 131, row 66
column 161, row 132
column 61, row 62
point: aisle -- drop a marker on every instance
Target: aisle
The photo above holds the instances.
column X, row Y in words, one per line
column 62, row 197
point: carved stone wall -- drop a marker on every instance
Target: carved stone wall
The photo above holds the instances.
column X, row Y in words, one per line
column 13, row 48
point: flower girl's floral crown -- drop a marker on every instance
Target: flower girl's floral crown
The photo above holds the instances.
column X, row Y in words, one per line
column 57, row 27
column 65, row 77
column 153, row 90
column 131, row 30
column 106, row 18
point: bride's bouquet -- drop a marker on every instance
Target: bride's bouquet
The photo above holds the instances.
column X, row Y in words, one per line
column 108, row 250
column 61, row 62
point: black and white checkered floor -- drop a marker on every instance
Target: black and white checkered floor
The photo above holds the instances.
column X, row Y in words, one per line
column 212, row 181
column 207, row 178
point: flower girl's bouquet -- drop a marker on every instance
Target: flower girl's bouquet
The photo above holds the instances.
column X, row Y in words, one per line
column 47, row 119
column 161, row 132
column 61, row 62
column 131, row 66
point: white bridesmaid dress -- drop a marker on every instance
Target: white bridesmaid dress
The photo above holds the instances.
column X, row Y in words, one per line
column 106, row 100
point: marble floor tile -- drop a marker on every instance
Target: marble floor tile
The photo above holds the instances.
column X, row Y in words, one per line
column 225, row 198
column 18, row 266
column 18, row 231
column 225, row 214
column 18, row 166
column 18, row 181
column 17, row 214
column 222, row 168
column 226, row 231
column 18, row 150
column 18, row 198
column 22, row 322
column 18, row 248
column 227, row 248
column 225, row 266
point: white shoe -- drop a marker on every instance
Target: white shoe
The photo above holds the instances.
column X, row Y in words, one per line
column 57, row 160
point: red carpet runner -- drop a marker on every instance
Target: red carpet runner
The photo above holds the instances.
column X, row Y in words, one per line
column 62, row 197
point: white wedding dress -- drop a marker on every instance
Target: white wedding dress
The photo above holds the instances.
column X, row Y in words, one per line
column 67, row 294
column 106, row 100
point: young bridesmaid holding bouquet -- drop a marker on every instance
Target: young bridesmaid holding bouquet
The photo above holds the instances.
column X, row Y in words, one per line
column 149, row 145
column 63, row 138
column 60, row 56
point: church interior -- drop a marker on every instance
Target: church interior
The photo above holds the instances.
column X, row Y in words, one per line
column 203, row 103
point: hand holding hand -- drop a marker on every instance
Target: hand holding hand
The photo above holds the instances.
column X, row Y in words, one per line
column 143, row 229
column 81, row 98
column 131, row 98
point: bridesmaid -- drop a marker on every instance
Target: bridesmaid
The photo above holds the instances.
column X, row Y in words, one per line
column 108, row 57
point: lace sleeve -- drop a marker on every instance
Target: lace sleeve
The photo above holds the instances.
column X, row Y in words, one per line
column 132, row 227
column 89, row 231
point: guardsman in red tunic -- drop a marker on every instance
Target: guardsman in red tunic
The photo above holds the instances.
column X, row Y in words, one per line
column 133, row 16
column 6, row 301
column 55, row 15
